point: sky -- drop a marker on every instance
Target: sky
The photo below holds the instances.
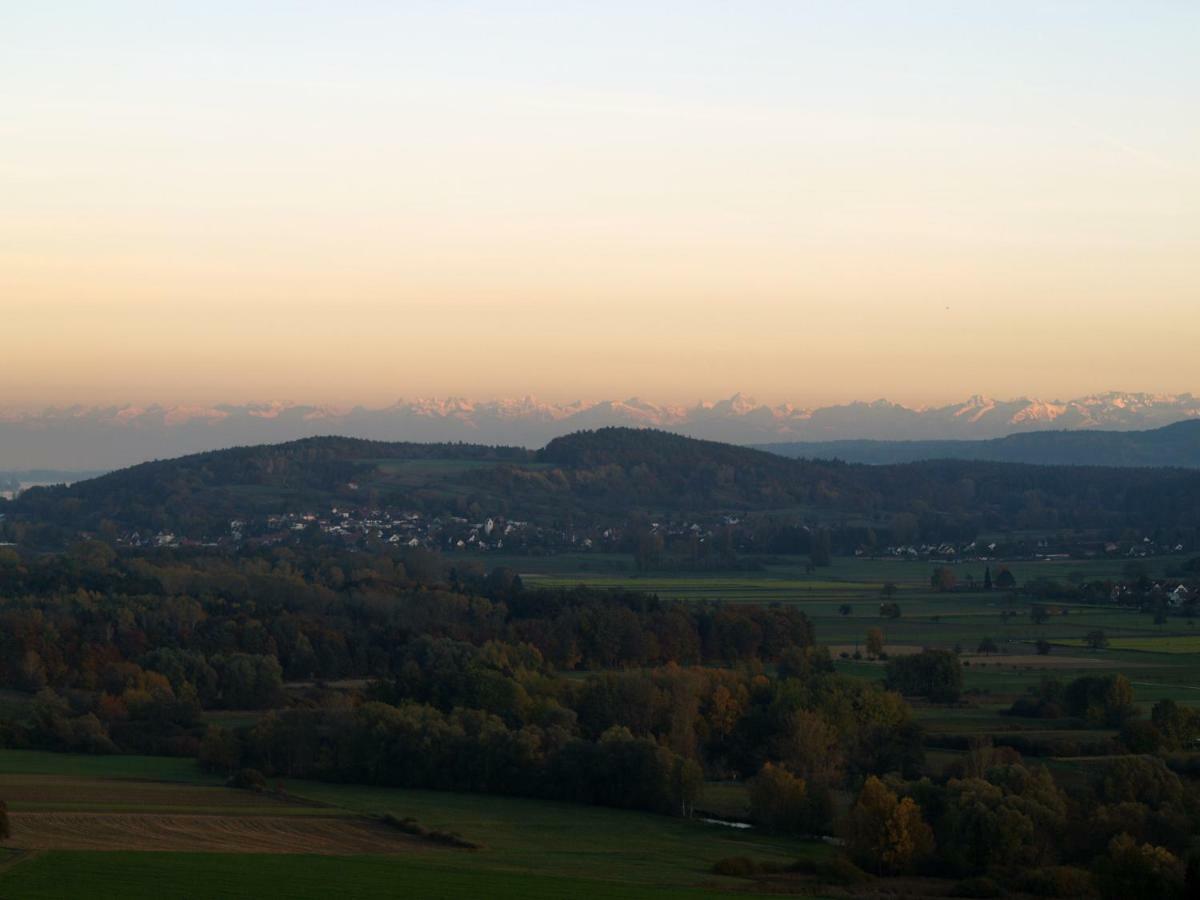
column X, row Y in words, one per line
column 807, row 202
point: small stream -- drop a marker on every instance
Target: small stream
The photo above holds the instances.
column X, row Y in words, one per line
column 727, row 823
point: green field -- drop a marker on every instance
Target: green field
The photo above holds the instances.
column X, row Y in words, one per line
column 529, row 848
column 1169, row 643
column 190, row 876
column 143, row 768
column 569, row 840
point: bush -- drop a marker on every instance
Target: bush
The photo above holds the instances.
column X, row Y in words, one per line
column 837, row 870
column 411, row 826
column 248, row 779
column 977, row 887
column 408, row 825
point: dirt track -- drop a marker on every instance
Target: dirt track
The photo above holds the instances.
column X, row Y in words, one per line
column 215, row 833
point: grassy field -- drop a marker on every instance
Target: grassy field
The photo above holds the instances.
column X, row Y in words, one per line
column 191, row 876
column 567, row 840
column 1167, row 643
column 133, row 827
column 143, row 768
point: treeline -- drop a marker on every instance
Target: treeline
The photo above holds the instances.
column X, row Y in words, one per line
column 493, row 719
column 1126, row 833
column 418, row 746
column 125, row 652
column 330, row 615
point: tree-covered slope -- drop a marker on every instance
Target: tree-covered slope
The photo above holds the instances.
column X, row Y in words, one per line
column 610, row 475
column 1173, row 445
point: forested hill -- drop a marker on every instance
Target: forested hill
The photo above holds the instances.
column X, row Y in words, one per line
column 1172, row 445
column 203, row 490
column 609, row 476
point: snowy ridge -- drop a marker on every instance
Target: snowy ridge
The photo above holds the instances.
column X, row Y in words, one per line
column 112, row 436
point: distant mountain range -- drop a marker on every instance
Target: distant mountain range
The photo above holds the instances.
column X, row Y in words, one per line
column 92, row 438
column 1171, row 445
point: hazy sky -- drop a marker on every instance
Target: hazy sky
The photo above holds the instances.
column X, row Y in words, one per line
column 804, row 201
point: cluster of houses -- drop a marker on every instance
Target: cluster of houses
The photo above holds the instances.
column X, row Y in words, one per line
column 1042, row 549
column 398, row 529
column 445, row 533
column 1172, row 593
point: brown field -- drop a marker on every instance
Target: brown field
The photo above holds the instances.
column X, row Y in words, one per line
column 205, row 833
column 63, row 793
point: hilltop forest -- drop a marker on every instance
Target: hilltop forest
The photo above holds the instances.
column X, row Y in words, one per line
column 615, row 477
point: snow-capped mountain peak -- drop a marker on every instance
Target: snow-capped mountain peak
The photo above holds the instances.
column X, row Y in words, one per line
column 80, row 437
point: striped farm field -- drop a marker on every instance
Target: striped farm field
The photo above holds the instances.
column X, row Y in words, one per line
column 1168, row 643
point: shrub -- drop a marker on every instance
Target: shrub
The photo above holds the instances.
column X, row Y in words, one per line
column 411, row 826
column 408, row 825
column 835, row 870
column 248, row 779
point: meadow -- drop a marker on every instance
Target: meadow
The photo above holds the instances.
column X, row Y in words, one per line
column 92, row 826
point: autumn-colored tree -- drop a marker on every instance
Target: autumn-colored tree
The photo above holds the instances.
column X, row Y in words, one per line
column 778, row 799
column 874, row 641
column 885, row 834
column 811, row 748
column 1179, row 726
column 1118, row 701
column 1139, row 872
column 943, row 579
